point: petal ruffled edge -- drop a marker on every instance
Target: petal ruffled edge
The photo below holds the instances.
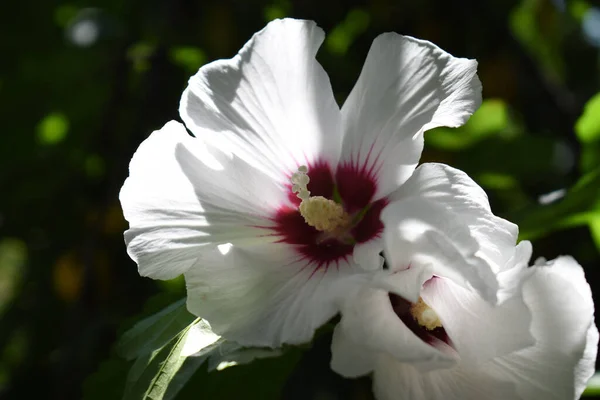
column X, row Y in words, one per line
column 406, row 86
column 272, row 104
column 164, row 214
column 182, row 198
column 562, row 360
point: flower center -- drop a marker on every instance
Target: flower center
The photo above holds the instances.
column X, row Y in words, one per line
column 421, row 320
column 425, row 315
column 323, row 214
column 327, row 217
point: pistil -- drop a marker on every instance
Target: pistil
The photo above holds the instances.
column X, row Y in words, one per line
column 323, row 214
column 425, row 315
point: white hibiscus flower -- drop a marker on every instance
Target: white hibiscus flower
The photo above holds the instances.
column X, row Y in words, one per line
column 286, row 184
column 425, row 337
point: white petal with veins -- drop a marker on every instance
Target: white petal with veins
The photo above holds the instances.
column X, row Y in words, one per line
column 271, row 105
column 407, row 86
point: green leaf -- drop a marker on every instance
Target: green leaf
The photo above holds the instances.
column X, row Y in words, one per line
column 183, row 375
column 220, row 355
column 578, row 207
column 145, row 337
column 162, row 373
column 593, row 386
column 231, row 354
column 589, row 157
column 262, row 379
column 154, row 332
column 594, row 224
column 587, row 126
column 169, row 347
column 151, row 373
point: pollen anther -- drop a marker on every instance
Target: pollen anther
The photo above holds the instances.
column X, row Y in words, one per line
column 425, row 315
column 319, row 212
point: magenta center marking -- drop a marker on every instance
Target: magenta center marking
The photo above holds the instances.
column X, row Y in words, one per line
column 356, row 188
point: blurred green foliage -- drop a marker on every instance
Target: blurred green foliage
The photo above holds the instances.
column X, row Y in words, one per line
column 81, row 87
column 490, row 120
column 344, row 34
column 53, row 129
column 188, row 57
column 588, row 125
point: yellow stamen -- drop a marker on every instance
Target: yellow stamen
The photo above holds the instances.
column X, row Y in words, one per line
column 425, row 315
column 324, row 214
column 319, row 212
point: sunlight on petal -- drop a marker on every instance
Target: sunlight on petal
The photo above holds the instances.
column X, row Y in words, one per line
column 199, row 336
column 224, row 248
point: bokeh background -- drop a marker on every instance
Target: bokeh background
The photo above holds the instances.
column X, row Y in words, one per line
column 83, row 83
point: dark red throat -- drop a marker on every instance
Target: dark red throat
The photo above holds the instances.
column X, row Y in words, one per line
column 354, row 187
column 401, row 307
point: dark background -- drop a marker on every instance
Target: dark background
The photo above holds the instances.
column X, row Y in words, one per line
column 82, row 84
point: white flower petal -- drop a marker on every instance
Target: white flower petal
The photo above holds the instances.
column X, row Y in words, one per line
column 585, row 368
column 458, row 193
column 348, row 359
column 393, row 380
column 368, row 320
column 562, row 360
column 263, row 296
column 406, row 87
column 272, row 104
column 479, row 331
column 235, row 193
column 406, row 283
column 419, row 232
column 176, row 204
column 367, row 254
column 199, row 336
column 514, row 273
